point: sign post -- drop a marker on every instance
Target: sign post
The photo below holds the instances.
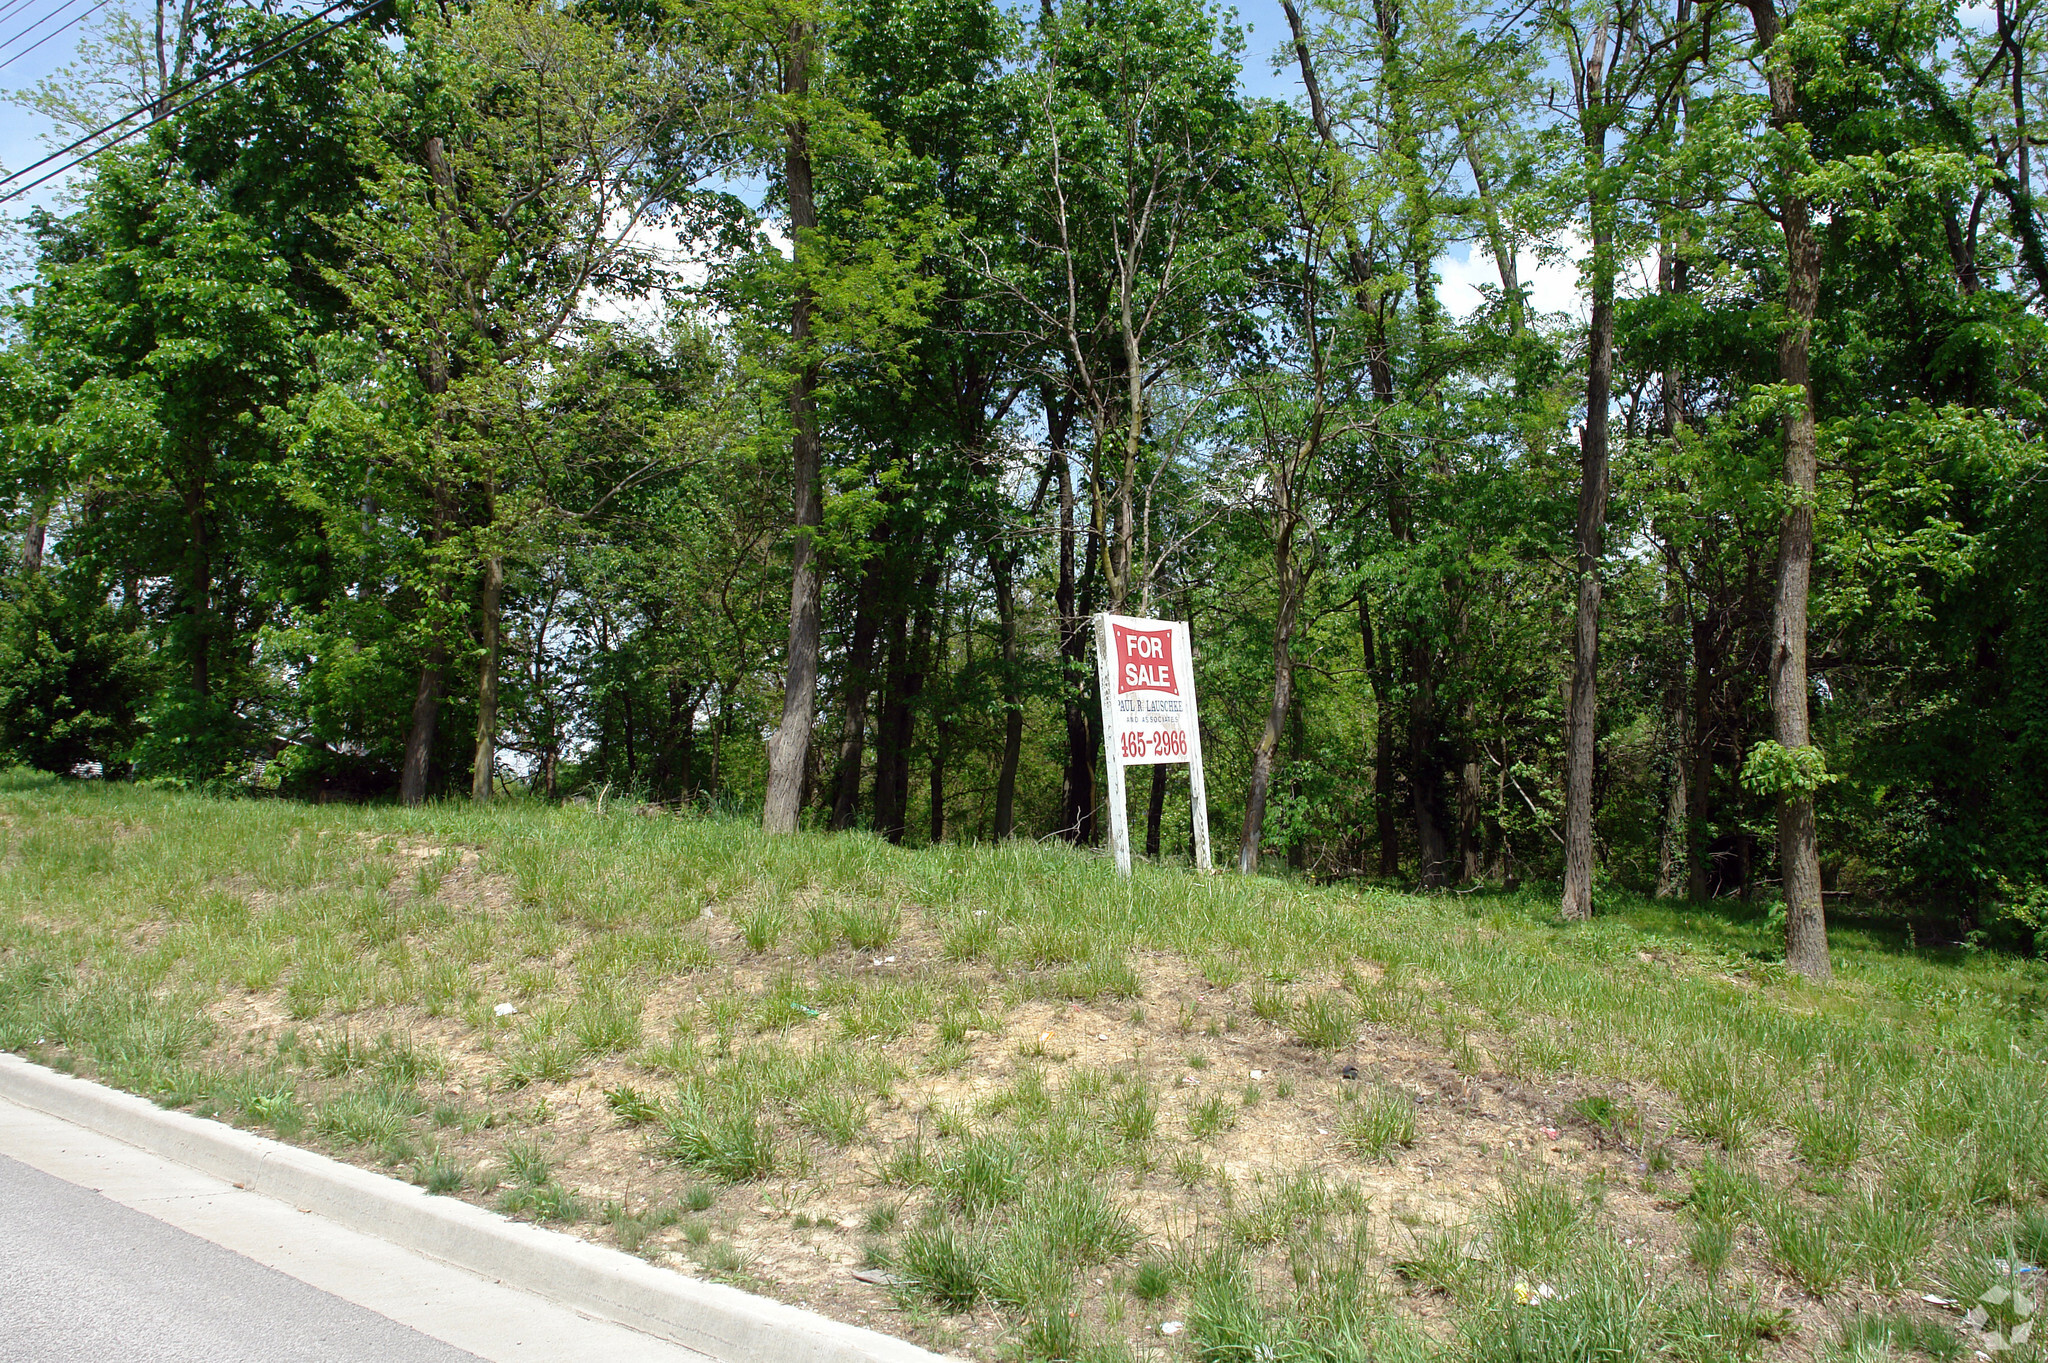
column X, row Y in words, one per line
column 1146, row 671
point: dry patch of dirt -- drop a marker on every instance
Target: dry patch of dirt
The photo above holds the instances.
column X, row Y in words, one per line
column 799, row 1235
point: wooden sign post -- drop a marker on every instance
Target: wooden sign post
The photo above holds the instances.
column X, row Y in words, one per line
column 1147, row 673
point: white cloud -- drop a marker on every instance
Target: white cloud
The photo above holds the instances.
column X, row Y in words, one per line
column 678, row 269
column 1552, row 284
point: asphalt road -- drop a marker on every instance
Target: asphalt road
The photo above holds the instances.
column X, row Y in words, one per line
column 84, row 1279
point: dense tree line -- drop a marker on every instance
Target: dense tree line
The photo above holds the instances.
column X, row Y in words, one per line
column 747, row 403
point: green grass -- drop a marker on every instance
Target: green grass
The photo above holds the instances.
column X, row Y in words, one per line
column 731, row 1143
column 946, row 1264
column 1887, row 1135
column 1382, row 1120
column 1327, row 1021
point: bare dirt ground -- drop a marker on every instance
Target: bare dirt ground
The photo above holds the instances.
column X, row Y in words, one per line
column 804, row 1235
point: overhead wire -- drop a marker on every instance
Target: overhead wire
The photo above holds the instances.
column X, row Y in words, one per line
column 23, row 32
column 70, row 23
column 12, row 8
column 203, row 76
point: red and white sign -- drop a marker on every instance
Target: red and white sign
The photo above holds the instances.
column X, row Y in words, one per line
column 1144, row 659
column 1147, row 675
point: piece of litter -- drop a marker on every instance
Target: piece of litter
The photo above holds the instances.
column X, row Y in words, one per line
column 2011, row 1269
column 1348, row 1072
column 1102, row 1036
column 505, row 1010
column 1189, row 1079
column 1549, row 1133
column 1529, row 1296
column 875, row 1276
column 1933, row 1300
column 1169, row 1327
column 1322, row 1131
column 1258, row 1074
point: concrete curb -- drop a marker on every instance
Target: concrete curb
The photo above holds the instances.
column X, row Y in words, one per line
column 711, row 1318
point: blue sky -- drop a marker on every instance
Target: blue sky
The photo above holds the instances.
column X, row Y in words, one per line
column 22, row 131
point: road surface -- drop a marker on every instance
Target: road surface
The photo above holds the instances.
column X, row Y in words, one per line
column 85, row 1279
column 111, row 1254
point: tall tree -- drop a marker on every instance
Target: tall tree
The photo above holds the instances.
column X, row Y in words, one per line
column 1796, row 769
column 1597, row 79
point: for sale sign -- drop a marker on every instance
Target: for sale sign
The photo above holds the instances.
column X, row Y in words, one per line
column 1144, row 659
column 1146, row 669
column 1152, row 714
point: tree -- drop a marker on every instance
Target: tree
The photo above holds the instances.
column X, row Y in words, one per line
column 1793, row 764
column 541, row 145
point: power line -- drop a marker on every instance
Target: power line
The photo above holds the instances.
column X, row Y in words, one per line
column 205, row 94
column 23, row 33
column 12, row 8
column 203, row 76
column 53, row 33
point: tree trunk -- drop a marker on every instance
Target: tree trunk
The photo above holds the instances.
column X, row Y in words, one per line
column 790, row 746
column 1471, row 801
column 1699, row 825
column 860, row 683
column 1425, row 768
column 426, row 701
column 419, row 739
column 892, row 716
column 1297, row 748
column 1002, row 567
column 1497, row 242
column 1155, row 810
column 1386, row 825
column 1077, row 815
column 717, row 772
column 684, row 726
column 899, row 723
column 627, row 726
column 33, row 537
column 1806, row 942
column 1673, row 840
column 1582, row 719
column 1265, row 755
column 1675, row 846
column 942, row 717
column 485, row 766
column 199, row 588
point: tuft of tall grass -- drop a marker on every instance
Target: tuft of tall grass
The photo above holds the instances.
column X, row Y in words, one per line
column 1381, row 1120
column 1603, row 1309
column 1325, row 1021
column 1829, row 1135
column 606, row 1022
column 985, row 1172
column 731, row 1142
column 946, row 1264
column 1804, row 1244
column 1535, row 1223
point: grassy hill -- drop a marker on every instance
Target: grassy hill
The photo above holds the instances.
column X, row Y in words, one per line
column 998, row 1100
